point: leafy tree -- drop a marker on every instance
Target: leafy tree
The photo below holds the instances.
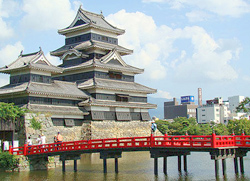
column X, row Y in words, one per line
column 8, row 111
column 243, row 106
column 237, row 126
column 221, row 129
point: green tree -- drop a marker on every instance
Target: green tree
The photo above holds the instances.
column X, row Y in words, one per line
column 221, row 129
column 238, row 126
column 8, row 111
column 243, row 106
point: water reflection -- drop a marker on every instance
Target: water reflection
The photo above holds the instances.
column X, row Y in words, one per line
column 135, row 166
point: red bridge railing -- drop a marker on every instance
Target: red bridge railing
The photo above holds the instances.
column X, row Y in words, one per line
column 211, row 141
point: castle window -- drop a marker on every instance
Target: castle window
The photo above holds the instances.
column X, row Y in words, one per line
column 122, row 97
column 115, row 75
column 40, row 78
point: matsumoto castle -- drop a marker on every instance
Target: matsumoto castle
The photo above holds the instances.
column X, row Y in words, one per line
column 92, row 84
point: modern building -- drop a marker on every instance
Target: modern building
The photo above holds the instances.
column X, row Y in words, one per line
column 93, row 83
column 234, row 102
column 187, row 108
column 215, row 110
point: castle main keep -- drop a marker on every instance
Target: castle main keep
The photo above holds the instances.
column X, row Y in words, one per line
column 91, row 94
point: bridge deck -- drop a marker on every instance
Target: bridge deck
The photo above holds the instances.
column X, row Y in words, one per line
column 191, row 143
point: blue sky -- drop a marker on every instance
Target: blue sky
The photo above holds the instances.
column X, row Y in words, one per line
column 181, row 44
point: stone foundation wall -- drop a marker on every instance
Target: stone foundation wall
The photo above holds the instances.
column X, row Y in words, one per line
column 89, row 129
column 49, row 130
column 117, row 129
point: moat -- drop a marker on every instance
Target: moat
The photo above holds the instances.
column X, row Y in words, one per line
column 134, row 166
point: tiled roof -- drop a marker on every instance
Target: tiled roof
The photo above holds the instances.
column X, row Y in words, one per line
column 108, row 66
column 65, row 110
column 31, row 61
column 91, row 44
column 91, row 20
column 57, row 88
column 106, row 103
column 115, row 85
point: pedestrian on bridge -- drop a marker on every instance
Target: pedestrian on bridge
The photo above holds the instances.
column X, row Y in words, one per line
column 29, row 141
column 153, row 125
column 43, row 139
column 59, row 137
column 39, row 140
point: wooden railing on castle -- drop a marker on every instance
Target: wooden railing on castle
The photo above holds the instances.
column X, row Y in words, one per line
column 187, row 141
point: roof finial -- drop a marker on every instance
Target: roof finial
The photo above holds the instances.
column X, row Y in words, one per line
column 40, row 48
column 101, row 12
column 21, row 53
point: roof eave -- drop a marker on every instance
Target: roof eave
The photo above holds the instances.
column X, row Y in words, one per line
column 85, row 26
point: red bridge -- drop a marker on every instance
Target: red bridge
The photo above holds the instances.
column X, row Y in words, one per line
column 219, row 147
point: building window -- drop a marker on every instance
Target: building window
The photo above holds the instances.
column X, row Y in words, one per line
column 122, row 97
column 115, row 75
column 203, row 109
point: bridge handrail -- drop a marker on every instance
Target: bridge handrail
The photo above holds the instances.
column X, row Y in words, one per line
column 191, row 141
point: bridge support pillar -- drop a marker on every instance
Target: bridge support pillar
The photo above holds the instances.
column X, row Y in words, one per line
column 236, row 168
column 159, row 152
column 104, row 165
column 63, row 166
column 185, row 162
column 165, row 165
column 156, row 166
column 75, row 165
column 116, row 165
column 241, row 165
column 179, row 163
column 68, row 156
column 224, row 167
column 216, row 166
column 110, row 154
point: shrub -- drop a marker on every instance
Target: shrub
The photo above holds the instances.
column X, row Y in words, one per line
column 36, row 125
column 8, row 161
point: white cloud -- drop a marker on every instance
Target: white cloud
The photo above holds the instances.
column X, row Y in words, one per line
column 195, row 16
column 47, row 14
column 145, row 38
column 5, row 29
column 246, row 78
column 154, row 48
column 10, row 53
column 162, row 94
column 233, row 8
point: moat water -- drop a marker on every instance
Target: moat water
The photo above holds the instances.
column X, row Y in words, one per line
column 134, row 166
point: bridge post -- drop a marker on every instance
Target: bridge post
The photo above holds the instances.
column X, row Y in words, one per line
column 110, row 154
column 216, row 165
column 165, row 165
column 185, row 162
column 104, row 165
column 63, row 166
column 67, row 156
column 75, row 165
column 241, row 165
column 156, row 166
column 116, row 165
column 224, row 167
column 179, row 163
column 236, row 168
